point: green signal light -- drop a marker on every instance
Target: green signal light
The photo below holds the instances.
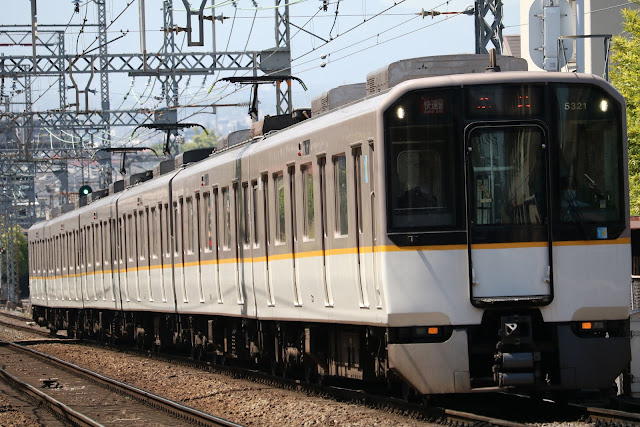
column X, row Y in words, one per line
column 85, row 190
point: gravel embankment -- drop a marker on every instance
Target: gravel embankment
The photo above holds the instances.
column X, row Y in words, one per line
column 241, row 401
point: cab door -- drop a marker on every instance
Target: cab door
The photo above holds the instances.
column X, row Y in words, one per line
column 509, row 241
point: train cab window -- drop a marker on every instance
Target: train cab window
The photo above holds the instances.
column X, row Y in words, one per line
column 307, row 202
column 590, row 187
column 340, row 181
column 208, row 236
column 281, row 234
column 226, row 219
column 423, row 166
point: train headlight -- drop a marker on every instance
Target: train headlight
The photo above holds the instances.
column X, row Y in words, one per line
column 604, row 105
column 400, row 113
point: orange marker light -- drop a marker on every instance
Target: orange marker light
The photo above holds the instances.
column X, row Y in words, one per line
column 585, row 325
column 432, row 331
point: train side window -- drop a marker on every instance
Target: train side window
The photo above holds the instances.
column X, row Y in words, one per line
column 281, row 233
column 208, row 237
column 190, row 228
column 307, row 202
column 226, row 219
column 246, row 228
column 254, row 203
column 340, row 186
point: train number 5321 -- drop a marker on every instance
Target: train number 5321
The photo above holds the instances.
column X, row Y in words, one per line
column 575, row 105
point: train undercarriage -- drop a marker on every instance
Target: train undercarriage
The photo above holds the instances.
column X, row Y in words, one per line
column 508, row 351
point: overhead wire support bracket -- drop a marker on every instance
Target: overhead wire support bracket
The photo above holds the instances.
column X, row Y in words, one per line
column 124, row 151
column 169, row 128
column 199, row 14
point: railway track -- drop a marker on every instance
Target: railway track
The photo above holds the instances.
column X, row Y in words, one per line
column 100, row 398
column 446, row 412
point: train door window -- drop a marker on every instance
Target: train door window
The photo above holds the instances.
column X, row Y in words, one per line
column 162, row 242
column 254, row 206
column 160, row 232
column 142, row 238
column 176, row 230
column 307, row 202
column 70, row 261
column 76, row 260
column 167, row 230
column 103, row 249
column 130, row 238
column 226, row 219
column 281, row 234
column 340, row 182
column 206, row 207
column 197, row 226
column 246, row 230
column 97, row 237
column 216, row 225
column 105, row 245
column 56, row 259
column 292, row 198
column 265, row 200
column 357, row 173
column 90, row 246
column 190, row 226
column 153, row 224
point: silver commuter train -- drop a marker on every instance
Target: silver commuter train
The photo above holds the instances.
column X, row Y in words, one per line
column 452, row 234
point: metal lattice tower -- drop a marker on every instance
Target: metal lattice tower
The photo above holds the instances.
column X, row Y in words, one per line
column 283, row 43
column 104, row 160
column 488, row 32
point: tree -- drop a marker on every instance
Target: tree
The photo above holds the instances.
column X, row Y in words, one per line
column 200, row 140
column 625, row 76
column 22, row 256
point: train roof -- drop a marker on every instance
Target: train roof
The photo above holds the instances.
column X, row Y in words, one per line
column 372, row 104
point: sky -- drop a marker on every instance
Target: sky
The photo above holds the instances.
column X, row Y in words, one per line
column 335, row 47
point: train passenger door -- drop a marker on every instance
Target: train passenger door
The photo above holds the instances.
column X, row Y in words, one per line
column 363, row 228
column 322, row 173
column 507, row 204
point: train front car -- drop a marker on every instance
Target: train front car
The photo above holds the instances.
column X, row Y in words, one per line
column 507, row 260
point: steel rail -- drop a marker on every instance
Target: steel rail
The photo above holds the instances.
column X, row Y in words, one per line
column 183, row 412
column 56, row 407
column 611, row 416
